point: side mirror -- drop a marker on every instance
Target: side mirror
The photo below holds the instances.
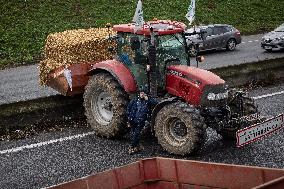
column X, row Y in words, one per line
column 135, row 43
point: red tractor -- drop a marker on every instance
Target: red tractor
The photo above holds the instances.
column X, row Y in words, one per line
column 191, row 99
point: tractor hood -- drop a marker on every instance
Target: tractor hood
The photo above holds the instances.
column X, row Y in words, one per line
column 196, row 86
column 196, row 75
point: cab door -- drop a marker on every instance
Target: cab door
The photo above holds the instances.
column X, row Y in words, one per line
column 133, row 58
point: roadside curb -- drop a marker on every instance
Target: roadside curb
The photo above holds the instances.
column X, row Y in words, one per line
column 59, row 108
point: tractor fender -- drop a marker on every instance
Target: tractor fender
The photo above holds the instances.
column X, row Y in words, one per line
column 119, row 71
column 159, row 106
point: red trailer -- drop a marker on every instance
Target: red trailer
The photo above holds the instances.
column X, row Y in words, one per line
column 164, row 173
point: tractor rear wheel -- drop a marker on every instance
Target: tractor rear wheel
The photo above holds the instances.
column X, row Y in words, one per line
column 179, row 128
column 105, row 103
column 249, row 107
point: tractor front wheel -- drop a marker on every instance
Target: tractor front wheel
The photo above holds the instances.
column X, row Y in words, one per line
column 179, row 128
column 105, row 104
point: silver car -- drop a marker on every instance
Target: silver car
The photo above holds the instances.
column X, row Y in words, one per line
column 217, row 36
column 274, row 39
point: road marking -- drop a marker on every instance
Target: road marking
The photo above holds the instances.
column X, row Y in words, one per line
column 30, row 146
column 250, row 41
column 268, row 95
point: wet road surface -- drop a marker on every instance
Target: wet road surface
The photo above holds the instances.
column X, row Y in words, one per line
column 53, row 157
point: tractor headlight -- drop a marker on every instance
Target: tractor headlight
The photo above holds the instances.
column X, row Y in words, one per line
column 218, row 96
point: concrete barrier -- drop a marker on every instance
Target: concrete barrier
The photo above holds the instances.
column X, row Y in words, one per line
column 265, row 71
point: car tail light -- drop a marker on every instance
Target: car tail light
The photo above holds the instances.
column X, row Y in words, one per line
column 238, row 32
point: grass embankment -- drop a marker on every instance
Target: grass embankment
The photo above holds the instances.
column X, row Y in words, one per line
column 24, row 24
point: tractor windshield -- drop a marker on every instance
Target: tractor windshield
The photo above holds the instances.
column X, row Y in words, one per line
column 170, row 48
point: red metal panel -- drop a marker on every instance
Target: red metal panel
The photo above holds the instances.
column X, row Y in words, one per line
column 141, row 186
column 274, row 184
column 80, row 79
column 120, row 71
column 75, row 184
column 177, row 27
column 271, row 174
column 162, row 173
column 206, row 77
column 59, row 84
column 103, row 180
column 200, row 173
column 183, row 88
column 149, row 169
column 188, row 82
column 163, row 185
column 190, row 186
column 129, row 176
column 167, row 169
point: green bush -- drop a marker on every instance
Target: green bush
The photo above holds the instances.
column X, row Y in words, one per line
column 24, row 24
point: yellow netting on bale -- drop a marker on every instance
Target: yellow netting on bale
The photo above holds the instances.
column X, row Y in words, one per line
column 75, row 46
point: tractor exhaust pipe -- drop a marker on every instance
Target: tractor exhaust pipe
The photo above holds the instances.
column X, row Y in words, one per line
column 154, row 72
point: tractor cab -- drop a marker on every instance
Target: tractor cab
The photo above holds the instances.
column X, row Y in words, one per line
column 133, row 44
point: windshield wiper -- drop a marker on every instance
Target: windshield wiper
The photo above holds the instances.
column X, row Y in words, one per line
column 177, row 38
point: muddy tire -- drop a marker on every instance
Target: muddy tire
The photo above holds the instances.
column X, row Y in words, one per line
column 105, row 103
column 249, row 108
column 179, row 128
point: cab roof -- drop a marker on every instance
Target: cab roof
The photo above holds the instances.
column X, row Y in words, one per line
column 161, row 27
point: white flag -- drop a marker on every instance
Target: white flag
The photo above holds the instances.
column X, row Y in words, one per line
column 67, row 74
column 138, row 16
column 191, row 12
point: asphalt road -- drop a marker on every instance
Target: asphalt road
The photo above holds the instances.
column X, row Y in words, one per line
column 50, row 158
column 19, row 84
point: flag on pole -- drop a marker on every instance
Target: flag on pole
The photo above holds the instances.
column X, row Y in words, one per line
column 191, row 12
column 138, row 16
column 67, row 74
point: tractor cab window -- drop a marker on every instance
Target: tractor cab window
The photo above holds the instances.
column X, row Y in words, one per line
column 130, row 49
column 171, row 50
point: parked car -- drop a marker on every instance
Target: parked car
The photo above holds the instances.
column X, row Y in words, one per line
column 217, row 36
column 274, row 39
